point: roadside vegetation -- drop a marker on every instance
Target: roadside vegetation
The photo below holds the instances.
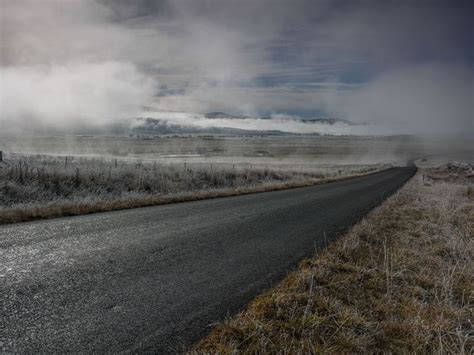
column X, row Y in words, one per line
column 33, row 187
column 400, row 281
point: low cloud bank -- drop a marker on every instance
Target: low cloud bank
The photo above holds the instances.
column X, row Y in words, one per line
column 431, row 99
column 278, row 122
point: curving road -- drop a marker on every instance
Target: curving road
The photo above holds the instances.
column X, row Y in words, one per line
column 156, row 278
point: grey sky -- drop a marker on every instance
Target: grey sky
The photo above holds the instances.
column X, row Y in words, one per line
column 310, row 58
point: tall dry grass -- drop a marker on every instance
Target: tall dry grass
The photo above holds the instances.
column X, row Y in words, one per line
column 401, row 281
column 46, row 186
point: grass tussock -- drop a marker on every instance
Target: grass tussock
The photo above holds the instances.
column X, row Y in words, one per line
column 33, row 187
column 402, row 280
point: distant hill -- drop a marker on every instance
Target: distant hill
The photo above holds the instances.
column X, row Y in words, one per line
column 325, row 120
column 223, row 115
column 214, row 115
column 163, row 127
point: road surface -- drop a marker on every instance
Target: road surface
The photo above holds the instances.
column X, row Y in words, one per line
column 157, row 278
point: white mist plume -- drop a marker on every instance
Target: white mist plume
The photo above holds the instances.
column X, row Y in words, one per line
column 71, row 96
column 429, row 99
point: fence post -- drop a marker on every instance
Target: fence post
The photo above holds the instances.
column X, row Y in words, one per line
column 65, row 162
column 1, row 155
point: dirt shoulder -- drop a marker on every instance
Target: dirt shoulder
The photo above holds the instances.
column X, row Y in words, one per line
column 400, row 280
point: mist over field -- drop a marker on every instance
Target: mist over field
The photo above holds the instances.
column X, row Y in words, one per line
column 379, row 68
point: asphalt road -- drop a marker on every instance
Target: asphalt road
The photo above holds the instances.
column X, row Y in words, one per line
column 156, row 278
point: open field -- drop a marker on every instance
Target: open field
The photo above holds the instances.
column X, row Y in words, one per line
column 104, row 173
column 45, row 186
column 399, row 281
column 287, row 151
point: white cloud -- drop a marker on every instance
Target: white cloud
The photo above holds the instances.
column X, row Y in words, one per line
column 71, row 96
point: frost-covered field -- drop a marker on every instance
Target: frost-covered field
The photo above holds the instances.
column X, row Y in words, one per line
column 30, row 179
column 110, row 172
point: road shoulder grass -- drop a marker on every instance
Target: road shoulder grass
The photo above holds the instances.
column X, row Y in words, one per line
column 401, row 280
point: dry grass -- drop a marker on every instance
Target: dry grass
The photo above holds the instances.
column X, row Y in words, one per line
column 402, row 280
column 34, row 187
